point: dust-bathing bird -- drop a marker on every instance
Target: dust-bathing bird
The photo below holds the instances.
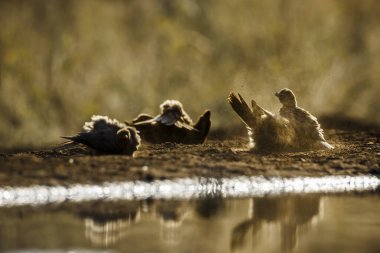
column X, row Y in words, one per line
column 309, row 133
column 108, row 136
column 173, row 124
column 293, row 129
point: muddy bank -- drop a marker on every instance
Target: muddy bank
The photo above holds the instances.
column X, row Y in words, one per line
column 356, row 153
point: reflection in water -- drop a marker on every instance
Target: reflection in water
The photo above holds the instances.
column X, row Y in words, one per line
column 171, row 215
column 105, row 223
column 106, row 233
column 292, row 223
column 210, row 205
column 289, row 212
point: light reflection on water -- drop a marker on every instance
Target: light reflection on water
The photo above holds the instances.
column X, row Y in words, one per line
column 287, row 223
column 186, row 189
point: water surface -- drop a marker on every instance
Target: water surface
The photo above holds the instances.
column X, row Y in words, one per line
column 209, row 223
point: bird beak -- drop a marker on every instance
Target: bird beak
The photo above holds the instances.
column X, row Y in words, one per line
column 276, row 94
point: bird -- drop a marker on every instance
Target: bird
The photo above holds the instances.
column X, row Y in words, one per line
column 309, row 133
column 292, row 129
column 107, row 136
column 173, row 125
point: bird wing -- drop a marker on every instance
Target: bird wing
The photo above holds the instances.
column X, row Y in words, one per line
column 256, row 109
column 166, row 119
column 307, row 125
column 249, row 116
column 184, row 125
column 104, row 140
column 140, row 118
column 242, row 109
column 169, row 119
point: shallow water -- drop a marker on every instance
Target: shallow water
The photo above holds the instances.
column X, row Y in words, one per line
column 284, row 223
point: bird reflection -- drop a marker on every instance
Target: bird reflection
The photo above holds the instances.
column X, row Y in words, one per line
column 171, row 215
column 105, row 223
column 210, row 206
column 289, row 212
column 108, row 222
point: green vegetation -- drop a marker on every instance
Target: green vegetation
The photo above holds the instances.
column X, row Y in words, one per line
column 62, row 61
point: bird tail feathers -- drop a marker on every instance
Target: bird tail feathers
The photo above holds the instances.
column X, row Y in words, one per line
column 66, row 145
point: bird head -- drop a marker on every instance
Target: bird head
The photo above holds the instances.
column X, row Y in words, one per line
column 173, row 107
column 172, row 111
column 286, row 97
column 129, row 139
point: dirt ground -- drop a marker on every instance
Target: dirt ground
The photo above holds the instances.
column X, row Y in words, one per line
column 356, row 152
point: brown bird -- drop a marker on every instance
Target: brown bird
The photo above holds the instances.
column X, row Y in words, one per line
column 108, row 136
column 173, row 124
column 293, row 129
column 308, row 132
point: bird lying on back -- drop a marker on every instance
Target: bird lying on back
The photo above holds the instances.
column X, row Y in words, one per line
column 294, row 129
column 108, row 136
column 173, row 124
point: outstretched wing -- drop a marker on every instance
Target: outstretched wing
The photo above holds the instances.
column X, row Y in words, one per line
column 249, row 116
column 242, row 109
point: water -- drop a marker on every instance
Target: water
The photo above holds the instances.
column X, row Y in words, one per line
column 256, row 214
column 286, row 223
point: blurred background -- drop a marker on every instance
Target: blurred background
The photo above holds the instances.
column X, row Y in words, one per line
column 62, row 61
